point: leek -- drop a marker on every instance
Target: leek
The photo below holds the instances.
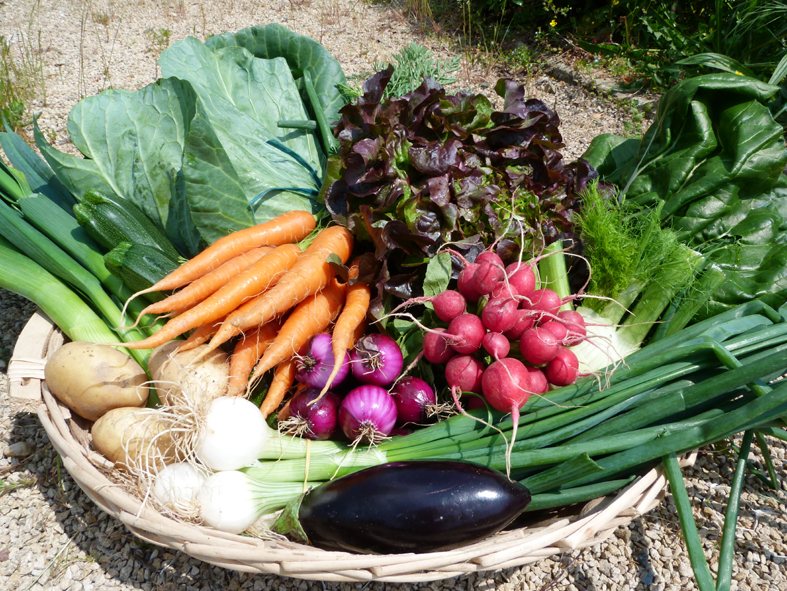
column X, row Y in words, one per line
column 66, row 309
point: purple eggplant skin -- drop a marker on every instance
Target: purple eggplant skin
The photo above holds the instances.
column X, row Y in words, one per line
column 415, row 506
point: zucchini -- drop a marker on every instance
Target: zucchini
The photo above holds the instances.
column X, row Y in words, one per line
column 138, row 265
column 110, row 220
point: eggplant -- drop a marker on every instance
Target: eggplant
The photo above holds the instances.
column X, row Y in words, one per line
column 415, row 506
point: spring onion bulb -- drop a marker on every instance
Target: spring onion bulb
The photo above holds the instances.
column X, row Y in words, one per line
column 176, row 488
column 231, row 501
column 233, row 434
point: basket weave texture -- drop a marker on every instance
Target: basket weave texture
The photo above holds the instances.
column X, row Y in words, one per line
column 71, row 438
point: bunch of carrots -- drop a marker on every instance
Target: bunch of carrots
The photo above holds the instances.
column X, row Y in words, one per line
column 257, row 284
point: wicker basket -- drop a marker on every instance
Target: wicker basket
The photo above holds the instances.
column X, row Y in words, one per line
column 71, row 438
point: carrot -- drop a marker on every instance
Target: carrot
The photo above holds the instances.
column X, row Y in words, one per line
column 201, row 288
column 246, row 353
column 353, row 315
column 202, row 334
column 283, row 379
column 286, row 228
column 308, row 276
column 257, row 278
column 312, row 316
column 226, row 331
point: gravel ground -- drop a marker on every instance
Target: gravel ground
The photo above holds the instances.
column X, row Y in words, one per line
column 51, row 534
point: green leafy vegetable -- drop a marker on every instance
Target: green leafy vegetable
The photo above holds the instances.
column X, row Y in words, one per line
column 438, row 274
column 200, row 151
column 429, row 168
column 713, row 162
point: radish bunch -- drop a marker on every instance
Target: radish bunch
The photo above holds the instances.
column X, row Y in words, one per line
column 517, row 344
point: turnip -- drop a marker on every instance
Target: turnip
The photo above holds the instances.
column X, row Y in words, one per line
column 467, row 331
column 463, row 373
column 487, row 277
column 538, row 346
column 563, row 369
column 496, row 344
column 545, row 304
column 437, row 346
column 464, row 283
column 191, row 374
column 499, row 314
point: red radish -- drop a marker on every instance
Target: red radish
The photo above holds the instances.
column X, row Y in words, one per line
column 463, row 372
column 522, row 278
column 506, row 385
column 489, row 257
column 545, row 302
column 496, row 345
column 499, row 314
column 575, row 323
column 437, row 348
column 468, row 331
column 506, row 290
column 524, row 321
column 538, row 381
column 563, row 369
column 465, row 283
column 471, row 402
column 557, row 328
column 538, row 346
column 449, row 304
column 486, row 277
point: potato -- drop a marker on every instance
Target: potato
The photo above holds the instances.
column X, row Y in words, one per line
column 174, row 373
column 91, row 379
column 133, row 438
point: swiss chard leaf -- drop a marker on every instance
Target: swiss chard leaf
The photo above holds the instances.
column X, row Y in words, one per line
column 713, row 159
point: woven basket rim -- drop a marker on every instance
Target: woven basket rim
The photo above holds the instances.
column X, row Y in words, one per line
column 596, row 521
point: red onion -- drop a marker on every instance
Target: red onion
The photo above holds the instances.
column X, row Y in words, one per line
column 376, row 359
column 312, row 418
column 315, row 363
column 367, row 414
column 413, row 396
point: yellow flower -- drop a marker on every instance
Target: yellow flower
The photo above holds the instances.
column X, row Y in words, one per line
column 739, row 73
column 553, row 23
